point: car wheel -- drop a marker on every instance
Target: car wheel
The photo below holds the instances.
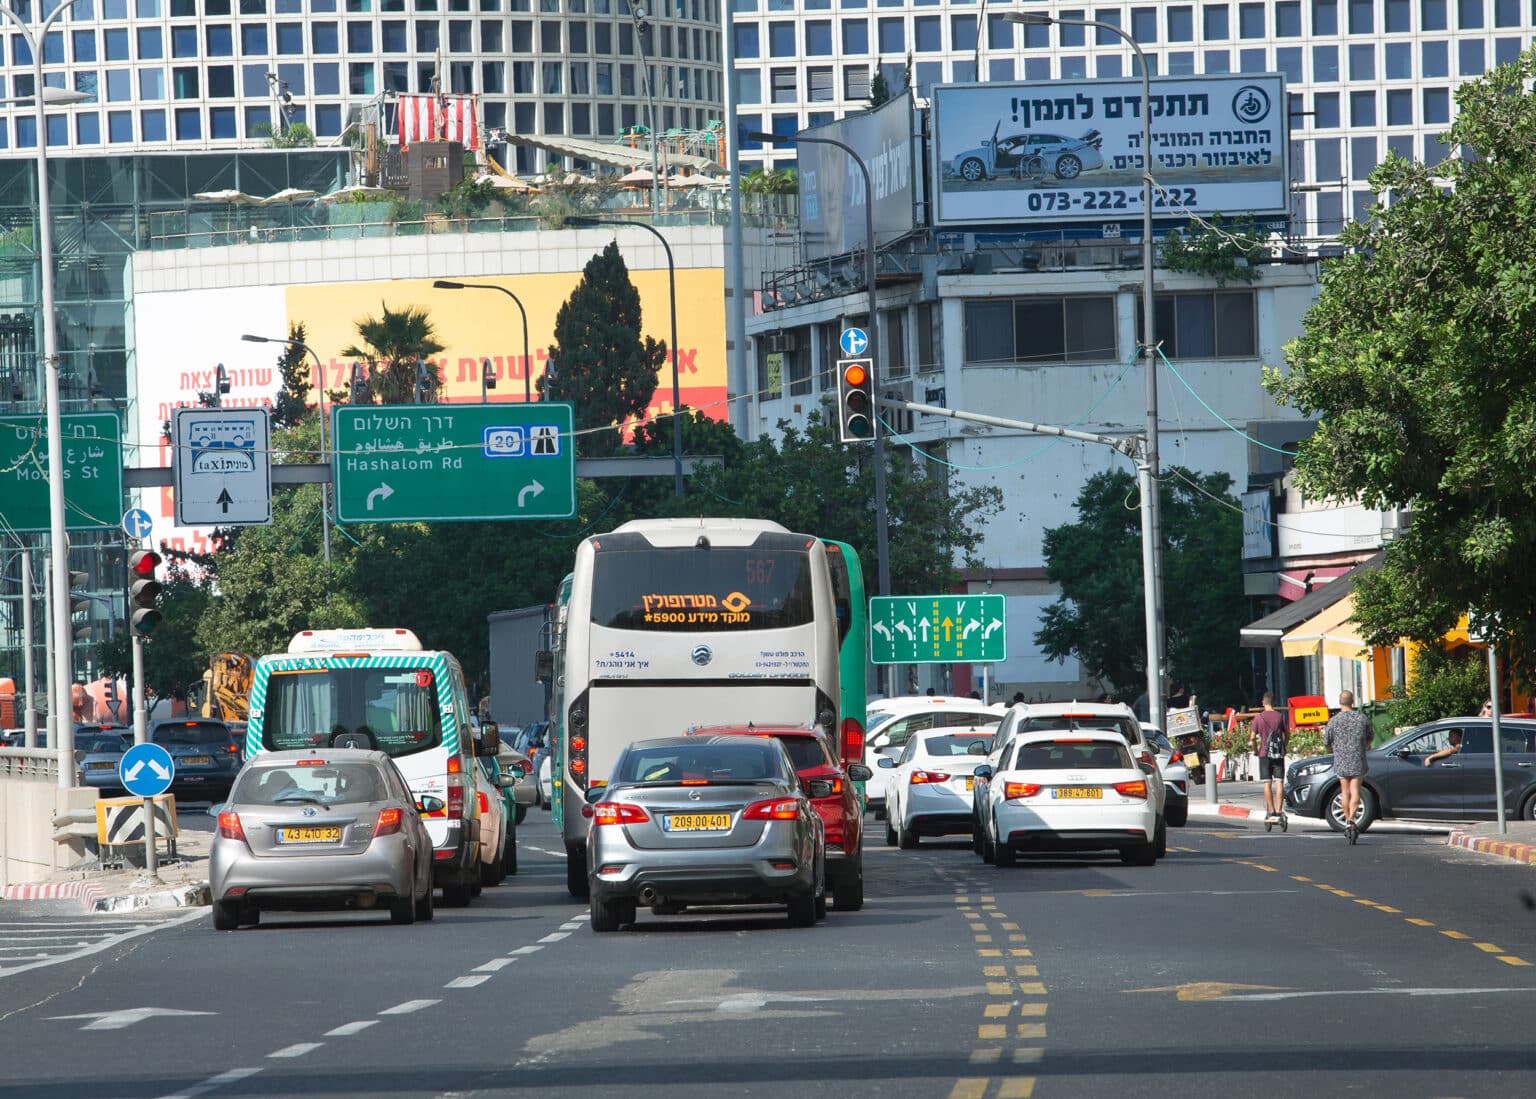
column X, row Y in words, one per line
column 1363, row 819
column 972, row 170
column 605, row 916
column 1160, row 838
column 908, row 838
column 848, row 890
column 802, row 910
column 976, row 841
column 402, row 909
column 1178, row 816
column 509, row 851
column 821, row 905
column 1069, row 167
column 457, row 895
column 424, row 907
column 1528, row 810
column 494, row 873
column 576, row 873
column 226, row 915
column 890, row 833
column 1003, row 855
column 522, row 812
column 1144, row 854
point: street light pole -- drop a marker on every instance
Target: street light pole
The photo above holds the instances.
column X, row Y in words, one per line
column 1151, row 512
column 882, row 548
column 449, row 284
column 642, row 22
column 677, row 396
column 325, row 486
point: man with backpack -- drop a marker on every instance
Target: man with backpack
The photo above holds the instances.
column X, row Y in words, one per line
column 1269, row 744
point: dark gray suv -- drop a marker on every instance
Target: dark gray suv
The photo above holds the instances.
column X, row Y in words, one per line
column 1403, row 781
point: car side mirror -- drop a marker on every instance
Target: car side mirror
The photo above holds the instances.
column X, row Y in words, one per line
column 507, row 779
column 984, row 771
column 543, row 665
column 885, row 763
column 595, row 794
column 859, row 773
column 429, row 805
column 518, row 770
column 819, row 788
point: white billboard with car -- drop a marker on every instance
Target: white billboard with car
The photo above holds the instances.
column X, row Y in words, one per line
column 1030, row 152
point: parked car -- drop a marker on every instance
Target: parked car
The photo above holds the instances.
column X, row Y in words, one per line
column 704, row 820
column 842, row 819
column 1459, row 786
column 1031, row 154
column 320, row 828
column 1175, row 772
column 928, row 792
column 206, row 754
column 900, row 718
column 1070, row 790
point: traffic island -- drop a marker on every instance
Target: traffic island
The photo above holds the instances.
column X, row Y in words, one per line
column 1518, row 844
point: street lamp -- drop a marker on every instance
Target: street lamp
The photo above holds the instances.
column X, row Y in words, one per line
column 677, row 397
column 325, row 486
column 1151, row 522
column 58, row 540
column 642, row 23
column 449, row 284
column 882, row 550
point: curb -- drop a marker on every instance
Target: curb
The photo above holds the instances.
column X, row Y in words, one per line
column 1206, row 809
column 1504, row 849
column 87, row 892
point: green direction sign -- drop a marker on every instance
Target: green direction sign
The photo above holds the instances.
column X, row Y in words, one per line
column 441, row 462
column 93, row 471
column 938, row 629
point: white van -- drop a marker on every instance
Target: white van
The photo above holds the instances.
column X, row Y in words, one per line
column 378, row 688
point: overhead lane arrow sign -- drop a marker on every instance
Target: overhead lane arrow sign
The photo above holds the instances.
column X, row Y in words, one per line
column 126, row 1017
column 923, row 628
column 882, row 629
column 224, row 501
column 533, row 489
column 969, row 629
column 383, row 492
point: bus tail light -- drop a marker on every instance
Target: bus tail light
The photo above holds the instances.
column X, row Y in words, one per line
column 771, row 810
column 921, row 777
column 853, row 741
column 389, row 823
column 618, row 812
column 576, row 727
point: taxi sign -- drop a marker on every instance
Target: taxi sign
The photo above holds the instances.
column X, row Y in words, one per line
column 376, row 640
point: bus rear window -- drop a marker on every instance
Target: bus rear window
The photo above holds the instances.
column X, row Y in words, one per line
column 396, row 707
column 704, row 589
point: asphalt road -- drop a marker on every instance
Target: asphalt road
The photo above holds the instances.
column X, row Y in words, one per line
column 1244, row 963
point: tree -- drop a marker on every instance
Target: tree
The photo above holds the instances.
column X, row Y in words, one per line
column 172, row 657
column 1416, row 358
column 599, row 360
column 779, row 181
column 1097, row 563
column 291, row 404
column 879, row 91
column 392, row 345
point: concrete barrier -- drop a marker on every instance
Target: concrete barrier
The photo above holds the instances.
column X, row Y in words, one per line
column 32, row 845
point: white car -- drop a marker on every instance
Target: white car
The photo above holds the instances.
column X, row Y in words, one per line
column 929, row 787
column 1070, row 790
column 1175, row 772
column 547, row 781
column 899, row 718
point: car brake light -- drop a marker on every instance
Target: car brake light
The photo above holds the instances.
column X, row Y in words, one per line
column 772, row 810
column 618, row 812
column 231, row 748
column 311, row 763
column 1136, row 789
column 1012, row 790
column 1177, row 757
column 694, row 782
column 455, row 765
column 456, row 798
column 389, row 823
column 1073, row 740
column 229, row 826
column 920, row 777
column 485, row 804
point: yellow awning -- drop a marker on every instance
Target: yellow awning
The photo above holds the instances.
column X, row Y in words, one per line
column 1331, row 630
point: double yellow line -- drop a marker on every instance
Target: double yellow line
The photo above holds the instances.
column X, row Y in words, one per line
column 1015, row 1011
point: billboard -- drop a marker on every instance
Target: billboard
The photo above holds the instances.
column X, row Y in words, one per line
column 182, row 336
column 1059, row 151
column 832, row 216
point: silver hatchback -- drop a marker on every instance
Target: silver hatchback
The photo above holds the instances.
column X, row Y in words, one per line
column 704, row 821
column 320, row 829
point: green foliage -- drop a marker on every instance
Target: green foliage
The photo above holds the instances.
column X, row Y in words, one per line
column 1222, row 253
column 392, row 344
column 599, row 360
column 1445, row 683
column 1416, row 358
column 406, row 209
column 564, row 195
column 472, row 198
column 1097, row 563
column 879, row 91
column 298, row 135
column 781, row 181
column 294, row 370
column 172, row 659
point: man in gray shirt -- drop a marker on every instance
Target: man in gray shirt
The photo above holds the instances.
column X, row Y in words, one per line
column 1348, row 735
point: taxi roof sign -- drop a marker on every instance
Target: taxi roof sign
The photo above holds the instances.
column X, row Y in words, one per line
column 364, row 640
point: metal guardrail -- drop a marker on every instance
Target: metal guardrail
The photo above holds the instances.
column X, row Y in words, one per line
column 35, row 764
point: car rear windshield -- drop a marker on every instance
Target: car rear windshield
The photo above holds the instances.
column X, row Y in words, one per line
column 396, row 708
column 750, row 761
column 1127, row 727
column 806, row 752
column 101, row 742
column 957, row 745
column 328, row 784
column 194, row 732
column 1073, row 755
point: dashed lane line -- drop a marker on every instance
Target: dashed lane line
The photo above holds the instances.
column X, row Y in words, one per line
column 346, row 1030
column 232, row 1076
column 494, row 964
column 470, row 981
column 298, row 1049
column 409, row 1006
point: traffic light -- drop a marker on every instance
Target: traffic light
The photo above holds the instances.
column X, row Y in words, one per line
column 144, row 590
column 78, row 602
column 855, row 401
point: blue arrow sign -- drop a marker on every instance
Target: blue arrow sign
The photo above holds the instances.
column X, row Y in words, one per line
column 137, row 523
column 853, row 342
column 146, row 770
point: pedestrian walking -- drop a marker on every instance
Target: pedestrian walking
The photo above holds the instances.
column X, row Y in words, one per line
column 1348, row 735
column 1270, row 737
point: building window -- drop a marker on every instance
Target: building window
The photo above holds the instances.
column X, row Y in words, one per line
column 1434, row 60
column 1009, row 331
column 1470, row 54
column 1398, row 61
column 781, row 39
column 1216, row 26
column 1399, row 16
column 1288, row 19
column 928, row 34
column 1362, row 109
column 746, row 40
column 1362, row 16
column 1469, row 14
column 1250, row 20
column 189, row 123
column 818, row 38
column 290, row 38
column 855, row 82
column 1432, row 15
column 151, row 125
column 893, row 340
column 1325, row 17
column 1218, row 325
column 821, row 86
column 1400, row 107
column 1325, row 111
column 1437, row 106
column 928, row 350
column 1181, row 24
column 855, row 36
column 893, row 39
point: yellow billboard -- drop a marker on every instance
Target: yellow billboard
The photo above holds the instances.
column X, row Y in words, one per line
column 474, row 325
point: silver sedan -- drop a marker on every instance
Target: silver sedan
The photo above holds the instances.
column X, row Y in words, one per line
column 696, row 820
column 320, row 829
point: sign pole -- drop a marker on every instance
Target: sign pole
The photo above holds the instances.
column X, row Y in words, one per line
column 1498, row 747
column 141, row 736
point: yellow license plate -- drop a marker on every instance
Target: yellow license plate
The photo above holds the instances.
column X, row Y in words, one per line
column 970, row 782
column 102, row 766
column 196, row 761
column 308, row 835
column 1077, row 792
column 698, row 822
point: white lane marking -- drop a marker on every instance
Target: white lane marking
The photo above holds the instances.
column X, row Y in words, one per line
column 346, row 1030
column 408, row 1007
column 494, row 964
column 234, row 1075
column 105, row 944
column 525, row 950
column 555, row 936
column 298, row 1049
column 540, row 850
column 1254, row 997
column 468, row 982
column 573, row 925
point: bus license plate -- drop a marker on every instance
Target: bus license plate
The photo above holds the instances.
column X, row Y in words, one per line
column 1077, row 792
column 308, row 835
column 698, row 822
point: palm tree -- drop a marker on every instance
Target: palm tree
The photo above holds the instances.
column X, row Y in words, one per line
column 392, row 345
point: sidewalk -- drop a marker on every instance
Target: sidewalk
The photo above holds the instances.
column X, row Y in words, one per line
column 183, row 883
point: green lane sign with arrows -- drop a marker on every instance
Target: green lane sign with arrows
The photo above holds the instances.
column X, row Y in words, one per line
column 453, row 462
column 938, row 629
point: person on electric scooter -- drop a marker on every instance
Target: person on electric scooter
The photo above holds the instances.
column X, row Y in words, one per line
column 1269, row 744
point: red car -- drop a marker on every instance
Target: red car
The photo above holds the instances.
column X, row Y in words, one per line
column 830, row 788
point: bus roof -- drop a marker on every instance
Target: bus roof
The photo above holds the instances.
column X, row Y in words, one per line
column 684, row 532
column 363, row 640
